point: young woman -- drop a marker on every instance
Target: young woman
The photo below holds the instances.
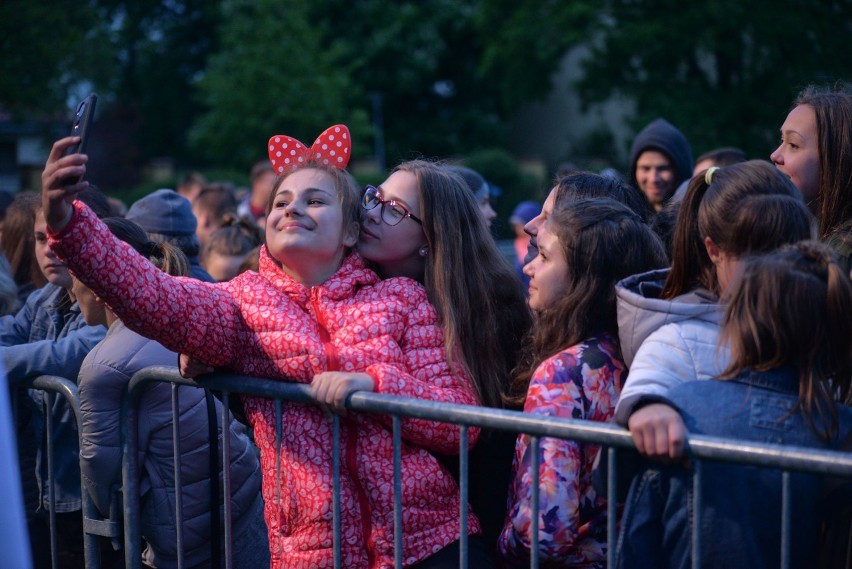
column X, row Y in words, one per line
column 669, row 320
column 787, row 324
column 572, row 368
column 816, row 154
column 423, row 223
column 314, row 314
column 103, row 381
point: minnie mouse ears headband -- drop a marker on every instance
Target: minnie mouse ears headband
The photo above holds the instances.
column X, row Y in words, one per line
column 333, row 148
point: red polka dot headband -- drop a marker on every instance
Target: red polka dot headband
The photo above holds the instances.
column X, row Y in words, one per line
column 333, row 148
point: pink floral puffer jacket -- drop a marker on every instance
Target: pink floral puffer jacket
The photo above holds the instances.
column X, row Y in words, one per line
column 269, row 325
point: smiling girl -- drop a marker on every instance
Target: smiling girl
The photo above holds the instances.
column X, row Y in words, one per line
column 313, row 314
column 572, row 369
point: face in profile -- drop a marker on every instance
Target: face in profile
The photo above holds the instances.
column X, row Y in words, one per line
column 53, row 269
column 92, row 307
column 797, row 157
column 534, row 225
column 548, row 272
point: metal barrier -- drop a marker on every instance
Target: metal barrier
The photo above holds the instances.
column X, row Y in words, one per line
column 610, row 436
column 785, row 458
column 93, row 524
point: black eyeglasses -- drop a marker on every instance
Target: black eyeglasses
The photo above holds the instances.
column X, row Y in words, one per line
column 392, row 212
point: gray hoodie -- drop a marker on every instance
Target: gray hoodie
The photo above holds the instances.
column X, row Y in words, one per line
column 664, row 342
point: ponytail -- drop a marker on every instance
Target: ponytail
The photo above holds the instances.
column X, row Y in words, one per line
column 690, row 264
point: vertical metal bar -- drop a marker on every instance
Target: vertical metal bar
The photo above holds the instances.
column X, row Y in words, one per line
column 696, row 514
column 279, row 422
column 786, row 522
column 335, row 489
column 178, row 477
column 397, row 492
column 51, row 481
column 226, row 475
column 130, row 483
column 534, row 517
column 464, row 499
column 611, row 504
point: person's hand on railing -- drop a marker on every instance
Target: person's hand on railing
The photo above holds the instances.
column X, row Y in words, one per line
column 61, row 181
column 658, row 431
column 191, row 367
column 331, row 388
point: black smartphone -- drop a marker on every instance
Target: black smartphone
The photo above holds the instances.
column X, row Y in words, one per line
column 82, row 123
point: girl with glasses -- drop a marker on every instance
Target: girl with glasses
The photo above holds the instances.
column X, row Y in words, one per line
column 423, row 223
column 314, row 313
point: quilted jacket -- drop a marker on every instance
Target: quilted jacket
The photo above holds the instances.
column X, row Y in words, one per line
column 268, row 325
column 103, row 381
column 665, row 343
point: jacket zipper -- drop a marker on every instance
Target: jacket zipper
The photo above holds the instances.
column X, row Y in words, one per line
column 351, row 458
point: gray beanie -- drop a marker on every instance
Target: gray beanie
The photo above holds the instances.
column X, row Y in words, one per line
column 165, row 212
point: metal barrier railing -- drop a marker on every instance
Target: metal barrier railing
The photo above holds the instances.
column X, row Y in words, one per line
column 93, row 524
column 614, row 438
column 785, row 458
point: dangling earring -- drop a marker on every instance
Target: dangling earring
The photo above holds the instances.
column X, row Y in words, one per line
column 423, row 251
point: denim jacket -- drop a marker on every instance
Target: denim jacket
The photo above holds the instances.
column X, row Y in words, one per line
column 49, row 336
column 740, row 519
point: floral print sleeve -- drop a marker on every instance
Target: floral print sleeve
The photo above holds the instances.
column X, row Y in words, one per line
column 580, row 382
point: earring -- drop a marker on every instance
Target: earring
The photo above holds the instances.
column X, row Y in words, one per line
column 423, row 251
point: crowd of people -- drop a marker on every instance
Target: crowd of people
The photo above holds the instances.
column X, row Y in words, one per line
column 708, row 296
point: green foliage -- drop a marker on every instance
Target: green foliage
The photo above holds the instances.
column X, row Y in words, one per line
column 47, row 50
column 524, row 43
column 501, row 169
column 273, row 75
column 724, row 72
column 421, row 57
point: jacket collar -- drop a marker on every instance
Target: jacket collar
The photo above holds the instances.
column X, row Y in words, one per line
column 352, row 275
column 783, row 379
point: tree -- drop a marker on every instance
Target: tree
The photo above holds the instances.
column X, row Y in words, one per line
column 422, row 58
column 725, row 72
column 274, row 74
column 47, row 50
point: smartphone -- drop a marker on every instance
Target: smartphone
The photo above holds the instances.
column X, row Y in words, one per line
column 82, row 123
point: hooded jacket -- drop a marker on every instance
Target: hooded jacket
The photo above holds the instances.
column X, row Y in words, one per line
column 103, row 381
column 269, row 325
column 664, row 342
column 663, row 136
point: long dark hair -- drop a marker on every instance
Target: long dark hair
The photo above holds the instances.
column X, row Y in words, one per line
column 471, row 284
column 747, row 207
column 792, row 307
column 164, row 256
column 603, row 241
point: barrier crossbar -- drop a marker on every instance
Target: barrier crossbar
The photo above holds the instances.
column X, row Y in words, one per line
column 613, row 438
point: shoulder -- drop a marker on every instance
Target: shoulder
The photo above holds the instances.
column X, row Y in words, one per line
column 592, row 357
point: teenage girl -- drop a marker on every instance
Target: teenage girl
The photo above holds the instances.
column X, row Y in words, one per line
column 790, row 337
column 669, row 320
column 313, row 314
column 572, row 368
column 816, row 154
